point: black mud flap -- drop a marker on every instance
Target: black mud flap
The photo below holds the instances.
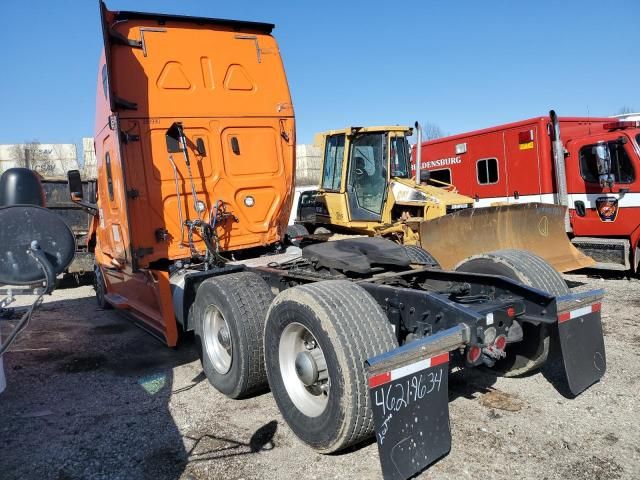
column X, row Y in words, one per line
column 582, row 346
column 410, row 404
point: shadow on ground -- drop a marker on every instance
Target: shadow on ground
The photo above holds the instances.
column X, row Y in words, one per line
column 88, row 397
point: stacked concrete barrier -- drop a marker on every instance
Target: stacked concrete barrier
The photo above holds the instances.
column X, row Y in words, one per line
column 308, row 165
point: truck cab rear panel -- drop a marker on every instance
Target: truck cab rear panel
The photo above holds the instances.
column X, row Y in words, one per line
column 225, row 82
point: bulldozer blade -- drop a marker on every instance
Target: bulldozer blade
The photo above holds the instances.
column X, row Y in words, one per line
column 536, row 227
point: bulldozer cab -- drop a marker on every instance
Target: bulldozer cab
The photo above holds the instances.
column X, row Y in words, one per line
column 366, row 182
column 358, row 164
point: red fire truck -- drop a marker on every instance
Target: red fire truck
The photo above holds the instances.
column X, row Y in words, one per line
column 591, row 165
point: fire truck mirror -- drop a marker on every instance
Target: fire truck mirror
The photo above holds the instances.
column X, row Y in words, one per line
column 603, row 158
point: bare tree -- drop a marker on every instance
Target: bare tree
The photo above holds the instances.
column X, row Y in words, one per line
column 624, row 110
column 431, row 131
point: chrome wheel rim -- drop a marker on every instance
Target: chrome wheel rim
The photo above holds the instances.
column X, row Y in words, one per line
column 304, row 370
column 217, row 340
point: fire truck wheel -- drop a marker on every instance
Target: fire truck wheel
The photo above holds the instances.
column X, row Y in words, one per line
column 100, row 288
column 420, row 256
column 531, row 270
column 317, row 338
column 228, row 318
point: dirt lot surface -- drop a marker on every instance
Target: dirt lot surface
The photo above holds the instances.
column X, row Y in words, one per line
column 92, row 396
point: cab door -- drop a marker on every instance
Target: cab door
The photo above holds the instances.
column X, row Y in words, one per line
column 113, row 231
column 603, row 210
column 330, row 204
column 367, row 176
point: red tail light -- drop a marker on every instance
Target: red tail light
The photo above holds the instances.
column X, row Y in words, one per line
column 473, row 354
column 501, row 342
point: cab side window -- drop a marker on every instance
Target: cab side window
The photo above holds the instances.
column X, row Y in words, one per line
column 621, row 165
column 487, row 171
column 333, row 160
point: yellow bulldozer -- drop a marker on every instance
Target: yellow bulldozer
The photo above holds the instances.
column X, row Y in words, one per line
column 367, row 188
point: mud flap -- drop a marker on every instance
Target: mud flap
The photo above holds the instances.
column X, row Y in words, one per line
column 582, row 346
column 409, row 395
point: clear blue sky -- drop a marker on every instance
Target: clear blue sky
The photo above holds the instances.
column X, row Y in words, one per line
column 462, row 65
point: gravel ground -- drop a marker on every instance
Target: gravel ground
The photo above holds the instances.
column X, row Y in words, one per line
column 92, row 396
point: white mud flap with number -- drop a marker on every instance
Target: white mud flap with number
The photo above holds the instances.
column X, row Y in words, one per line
column 410, row 402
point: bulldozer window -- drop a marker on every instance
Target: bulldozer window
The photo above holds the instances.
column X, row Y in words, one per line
column 399, row 157
column 367, row 174
column 621, row 166
column 333, row 157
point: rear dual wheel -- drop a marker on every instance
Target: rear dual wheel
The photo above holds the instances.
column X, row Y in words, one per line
column 100, row 288
column 317, row 338
column 228, row 318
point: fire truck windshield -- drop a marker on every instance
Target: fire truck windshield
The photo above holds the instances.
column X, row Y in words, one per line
column 400, row 157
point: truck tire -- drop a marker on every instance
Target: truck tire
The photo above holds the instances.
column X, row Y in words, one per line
column 296, row 230
column 317, row 338
column 531, row 270
column 101, row 289
column 420, row 256
column 228, row 316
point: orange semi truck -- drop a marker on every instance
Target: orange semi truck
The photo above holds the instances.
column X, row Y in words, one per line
column 195, row 140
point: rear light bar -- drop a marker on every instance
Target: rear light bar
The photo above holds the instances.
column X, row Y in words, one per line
column 622, row 124
column 386, row 377
column 578, row 312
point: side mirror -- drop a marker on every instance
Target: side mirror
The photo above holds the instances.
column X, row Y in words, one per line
column 603, row 162
column 77, row 195
column 603, row 158
column 75, row 185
